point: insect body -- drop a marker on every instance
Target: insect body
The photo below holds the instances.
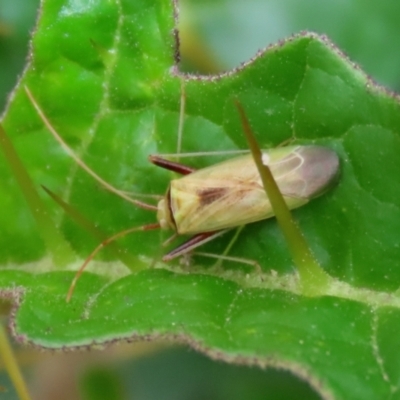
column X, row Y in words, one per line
column 205, row 203
column 231, row 194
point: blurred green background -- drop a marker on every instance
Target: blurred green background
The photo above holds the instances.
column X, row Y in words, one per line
column 229, row 32
column 216, row 35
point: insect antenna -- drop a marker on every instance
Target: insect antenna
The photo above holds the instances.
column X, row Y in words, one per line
column 104, row 183
column 79, row 162
column 104, row 243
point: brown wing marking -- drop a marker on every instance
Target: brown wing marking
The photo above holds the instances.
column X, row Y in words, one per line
column 210, row 195
column 227, row 207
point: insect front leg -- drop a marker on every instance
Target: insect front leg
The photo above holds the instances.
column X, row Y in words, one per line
column 191, row 244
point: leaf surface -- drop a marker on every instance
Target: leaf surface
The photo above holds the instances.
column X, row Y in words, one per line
column 102, row 73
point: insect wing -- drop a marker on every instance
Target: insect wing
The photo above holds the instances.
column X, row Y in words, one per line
column 217, row 197
column 305, row 172
column 231, row 193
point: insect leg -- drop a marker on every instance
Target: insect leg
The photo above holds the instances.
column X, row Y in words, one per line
column 229, row 246
column 204, row 153
column 183, row 169
column 171, row 165
column 241, row 260
column 170, row 239
column 192, row 243
column 103, row 244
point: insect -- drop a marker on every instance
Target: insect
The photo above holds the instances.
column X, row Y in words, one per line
column 205, row 203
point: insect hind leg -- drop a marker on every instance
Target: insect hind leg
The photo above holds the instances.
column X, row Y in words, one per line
column 194, row 242
column 181, row 123
column 240, row 260
column 202, row 238
column 224, row 256
column 171, row 165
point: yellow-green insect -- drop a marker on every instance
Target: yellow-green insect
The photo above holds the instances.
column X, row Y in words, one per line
column 231, row 194
column 205, row 203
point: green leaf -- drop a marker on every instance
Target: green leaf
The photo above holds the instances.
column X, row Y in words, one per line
column 103, row 74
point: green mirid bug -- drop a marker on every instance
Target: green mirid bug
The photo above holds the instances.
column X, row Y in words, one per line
column 207, row 202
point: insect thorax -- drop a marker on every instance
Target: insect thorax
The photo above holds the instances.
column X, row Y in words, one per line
column 164, row 215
